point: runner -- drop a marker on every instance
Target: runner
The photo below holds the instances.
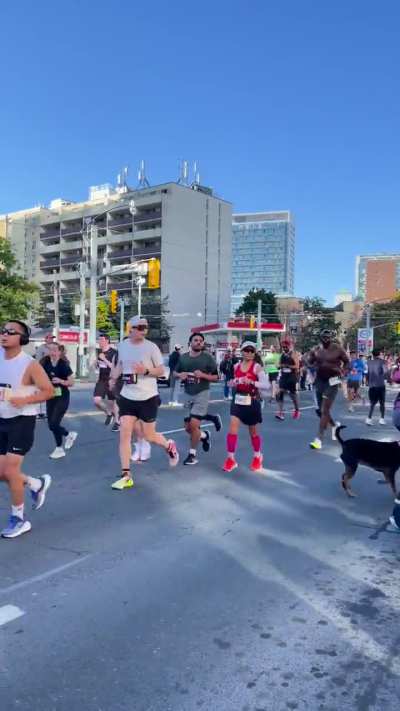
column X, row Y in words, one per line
column 24, row 384
column 57, row 367
column 40, row 353
column 249, row 378
column 140, row 363
column 329, row 359
column 377, row 374
column 354, row 379
column 271, row 367
column 289, row 370
column 197, row 369
column 103, row 396
column 174, row 383
column 226, row 369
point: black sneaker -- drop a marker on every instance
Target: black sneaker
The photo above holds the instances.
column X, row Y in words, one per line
column 190, row 459
column 108, row 419
column 115, row 427
column 216, row 420
column 205, row 441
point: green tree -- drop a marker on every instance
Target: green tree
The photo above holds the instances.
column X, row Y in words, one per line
column 18, row 297
column 318, row 317
column 268, row 305
column 384, row 320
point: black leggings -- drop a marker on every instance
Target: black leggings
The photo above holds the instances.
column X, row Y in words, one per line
column 56, row 409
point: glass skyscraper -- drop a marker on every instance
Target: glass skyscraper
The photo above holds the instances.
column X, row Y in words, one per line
column 262, row 254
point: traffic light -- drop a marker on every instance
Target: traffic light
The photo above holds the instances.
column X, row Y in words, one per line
column 398, row 328
column 252, row 321
column 114, row 301
column 153, row 277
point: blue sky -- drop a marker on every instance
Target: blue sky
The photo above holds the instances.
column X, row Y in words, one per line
column 286, row 105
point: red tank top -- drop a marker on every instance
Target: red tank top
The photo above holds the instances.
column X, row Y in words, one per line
column 246, row 389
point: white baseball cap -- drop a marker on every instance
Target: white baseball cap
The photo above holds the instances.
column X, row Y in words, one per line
column 248, row 344
column 137, row 321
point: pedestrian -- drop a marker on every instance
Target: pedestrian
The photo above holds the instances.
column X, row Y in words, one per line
column 60, row 374
column 226, row 369
column 287, row 383
column 140, row 363
column 354, row 379
column 377, row 374
column 103, row 395
column 197, row 369
column 249, row 379
column 174, row 382
column 24, row 384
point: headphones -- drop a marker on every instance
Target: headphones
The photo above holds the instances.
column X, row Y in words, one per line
column 24, row 337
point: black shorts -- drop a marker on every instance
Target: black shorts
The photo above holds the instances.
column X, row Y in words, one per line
column 353, row 385
column 102, row 389
column 145, row 410
column 248, row 415
column 273, row 376
column 324, row 391
column 17, row 434
column 377, row 394
column 288, row 383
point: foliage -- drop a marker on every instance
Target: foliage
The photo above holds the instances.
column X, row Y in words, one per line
column 18, row 297
column 384, row 319
column 319, row 317
column 268, row 305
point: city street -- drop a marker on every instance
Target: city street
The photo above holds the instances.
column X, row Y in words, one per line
column 200, row 590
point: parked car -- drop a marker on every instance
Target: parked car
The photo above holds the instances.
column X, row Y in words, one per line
column 166, row 378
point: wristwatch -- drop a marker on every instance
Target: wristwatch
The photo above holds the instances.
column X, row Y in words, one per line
column 146, row 372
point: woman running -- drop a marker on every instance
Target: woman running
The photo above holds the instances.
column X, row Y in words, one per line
column 249, row 379
column 57, row 368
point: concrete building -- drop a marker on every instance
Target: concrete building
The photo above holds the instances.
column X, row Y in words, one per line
column 342, row 296
column 263, row 248
column 377, row 277
column 186, row 227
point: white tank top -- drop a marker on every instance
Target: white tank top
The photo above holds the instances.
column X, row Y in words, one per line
column 11, row 375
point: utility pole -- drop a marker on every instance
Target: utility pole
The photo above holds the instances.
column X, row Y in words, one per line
column 82, row 289
column 121, row 319
column 93, row 301
column 56, row 307
column 368, row 325
column 259, row 343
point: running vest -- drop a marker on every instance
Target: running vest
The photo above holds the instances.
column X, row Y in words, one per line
column 246, row 389
column 11, row 375
column 286, row 361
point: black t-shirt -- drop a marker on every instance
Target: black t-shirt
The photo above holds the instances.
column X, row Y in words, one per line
column 60, row 370
column 104, row 366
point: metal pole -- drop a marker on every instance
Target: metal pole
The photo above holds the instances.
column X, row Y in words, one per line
column 56, row 307
column 139, row 302
column 259, row 343
column 368, row 324
column 93, row 302
column 82, row 289
column 122, row 319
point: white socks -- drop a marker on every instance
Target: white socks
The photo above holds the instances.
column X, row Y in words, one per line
column 18, row 511
column 33, row 484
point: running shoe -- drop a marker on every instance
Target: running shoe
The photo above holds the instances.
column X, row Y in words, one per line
column 296, row 414
column 205, row 441
column 394, row 524
column 190, row 460
column 257, row 463
column 115, row 427
column 136, row 453
column 351, row 408
column 70, row 439
column 368, row 420
column 38, row 497
column 216, row 420
column 145, row 450
column 229, row 464
column 57, row 453
column 108, row 420
column 124, row 482
column 382, row 421
column 16, row 527
column 316, row 443
column 279, row 416
column 334, row 438
column 173, row 453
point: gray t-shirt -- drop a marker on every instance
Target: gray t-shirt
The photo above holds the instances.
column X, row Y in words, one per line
column 376, row 373
column 140, row 387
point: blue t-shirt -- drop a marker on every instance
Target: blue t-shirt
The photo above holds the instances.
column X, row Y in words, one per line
column 356, row 370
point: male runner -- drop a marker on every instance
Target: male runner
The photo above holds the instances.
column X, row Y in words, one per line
column 103, row 396
column 329, row 359
column 23, row 385
column 354, row 378
column 140, row 363
column 289, row 371
column 197, row 369
column 377, row 375
column 40, row 353
column 271, row 368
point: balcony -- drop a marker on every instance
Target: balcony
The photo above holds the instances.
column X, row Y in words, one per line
column 50, row 263
column 120, row 254
column 120, row 222
column 44, row 278
column 74, row 259
column 66, row 246
column 71, row 231
column 149, row 233
column 120, row 285
column 50, row 249
column 147, row 216
column 50, row 234
column 147, row 251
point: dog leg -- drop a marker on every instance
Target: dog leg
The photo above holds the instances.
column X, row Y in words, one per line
column 390, row 475
column 346, row 477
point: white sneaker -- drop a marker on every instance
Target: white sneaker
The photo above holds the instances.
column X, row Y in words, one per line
column 176, row 404
column 171, row 404
column 337, row 424
column 382, row 421
column 145, row 450
column 351, row 408
column 368, row 421
column 70, row 439
column 57, row 453
column 136, row 453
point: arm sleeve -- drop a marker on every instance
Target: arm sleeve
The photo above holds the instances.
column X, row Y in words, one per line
column 263, row 381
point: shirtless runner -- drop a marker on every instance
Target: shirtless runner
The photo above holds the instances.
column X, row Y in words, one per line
column 330, row 361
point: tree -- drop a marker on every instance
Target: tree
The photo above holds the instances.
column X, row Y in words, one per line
column 319, row 317
column 384, row 320
column 104, row 321
column 18, row 297
column 268, row 305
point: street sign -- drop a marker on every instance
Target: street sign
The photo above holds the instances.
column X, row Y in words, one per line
column 67, row 336
column 365, row 340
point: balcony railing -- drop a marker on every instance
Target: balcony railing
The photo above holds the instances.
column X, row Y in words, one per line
column 50, row 234
column 75, row 259
column 49, row 263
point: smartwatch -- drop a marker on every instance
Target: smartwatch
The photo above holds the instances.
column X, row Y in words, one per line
column 146, row 372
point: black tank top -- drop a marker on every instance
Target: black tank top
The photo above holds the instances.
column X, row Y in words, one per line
column 287, row 360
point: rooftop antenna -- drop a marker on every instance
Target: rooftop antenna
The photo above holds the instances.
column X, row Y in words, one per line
column 142, row 180
column 184, row 173
column 122, row 186
column 196, row 173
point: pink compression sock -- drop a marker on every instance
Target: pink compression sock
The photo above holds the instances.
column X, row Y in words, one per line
column 231, row 442
column 256, row 442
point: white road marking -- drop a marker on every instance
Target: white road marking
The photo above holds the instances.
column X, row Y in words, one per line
column 8, row 613
column 43, row 576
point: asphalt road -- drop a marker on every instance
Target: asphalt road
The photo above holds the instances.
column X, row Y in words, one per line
column 201, row 590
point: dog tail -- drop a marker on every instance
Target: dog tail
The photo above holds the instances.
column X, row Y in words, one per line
column 337, row 433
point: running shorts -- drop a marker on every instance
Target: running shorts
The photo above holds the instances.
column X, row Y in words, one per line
column 354, row 384
column 102, row 389
column 324, row 391
column 145, row 410
column 17, row 434
column 248, row 415
column 377, row 394
column 272, row 377
column 197, row 405
column 288, row 383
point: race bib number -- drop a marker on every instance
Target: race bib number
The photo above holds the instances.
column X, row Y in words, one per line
column 57, row 392
column 242, row 399
column 286, row 370
column 129, row 378
column 191, row 379
column 334, row 381
column 5, row 392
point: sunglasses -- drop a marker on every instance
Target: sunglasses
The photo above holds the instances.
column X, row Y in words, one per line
column 141, row 327
column 10, row 332
column 248, row 350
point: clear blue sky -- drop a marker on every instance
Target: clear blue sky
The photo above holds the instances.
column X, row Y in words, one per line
column 286, row 105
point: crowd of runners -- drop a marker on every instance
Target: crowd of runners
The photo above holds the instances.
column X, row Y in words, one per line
column 127, row 393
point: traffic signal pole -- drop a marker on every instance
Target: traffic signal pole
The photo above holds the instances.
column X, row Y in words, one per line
column 93, row 301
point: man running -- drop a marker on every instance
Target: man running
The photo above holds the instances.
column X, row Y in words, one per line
column 103, row 396
column 173, row 380
column 377, row 374
column 23, row 385
column 354, row 379
column 289, row 370
column 329, row 359
column 140, row 363
column 197, row 369
column 271, row 368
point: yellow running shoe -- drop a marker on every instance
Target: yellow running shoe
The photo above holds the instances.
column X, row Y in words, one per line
column 125, row 482
column 316, row 443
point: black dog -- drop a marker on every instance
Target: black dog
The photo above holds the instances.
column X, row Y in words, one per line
column 382, row 456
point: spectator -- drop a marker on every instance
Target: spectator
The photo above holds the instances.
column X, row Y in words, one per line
column 173, row 380
column 226, row 369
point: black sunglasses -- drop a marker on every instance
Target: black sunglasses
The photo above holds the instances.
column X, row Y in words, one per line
column 10, row 332
column 248, row 350
column 141, row 327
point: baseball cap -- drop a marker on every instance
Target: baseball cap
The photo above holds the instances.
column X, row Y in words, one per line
column 177, row 345
column 137, row 321
column 248, row 344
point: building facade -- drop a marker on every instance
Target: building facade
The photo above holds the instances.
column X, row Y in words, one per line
column 187, row 228
column 263, row 251
column 377, row 277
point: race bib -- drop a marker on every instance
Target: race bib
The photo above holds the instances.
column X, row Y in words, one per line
column 5, row 392
column 335, row 380
column 242, row 399
column 57, row 392
column 191, row 380
column 129, row 378
column 286, row 370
